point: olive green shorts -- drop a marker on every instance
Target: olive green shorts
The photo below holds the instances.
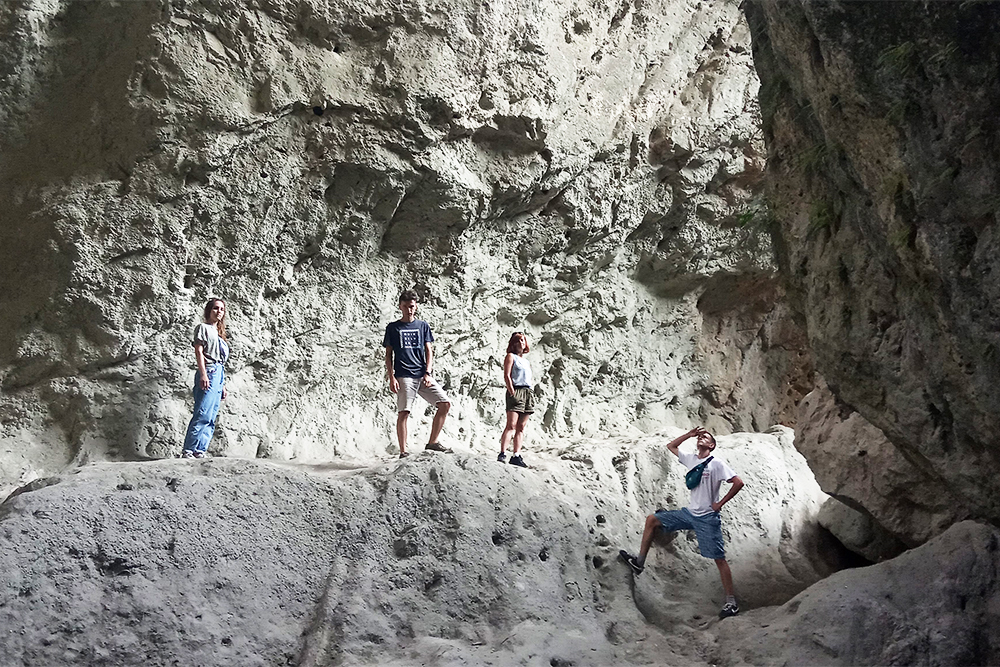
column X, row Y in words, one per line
column 522, row 401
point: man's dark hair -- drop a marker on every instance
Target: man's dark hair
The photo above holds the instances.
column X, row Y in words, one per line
column 408, row 295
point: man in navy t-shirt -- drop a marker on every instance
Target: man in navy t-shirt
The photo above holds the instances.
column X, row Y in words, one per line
column 408, row 363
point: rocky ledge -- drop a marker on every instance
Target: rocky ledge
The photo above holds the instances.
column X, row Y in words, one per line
column 445, row 557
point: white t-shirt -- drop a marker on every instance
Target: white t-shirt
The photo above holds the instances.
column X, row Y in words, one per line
column 706, row 493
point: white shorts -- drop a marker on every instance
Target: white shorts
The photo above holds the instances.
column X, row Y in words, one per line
column 410, row 388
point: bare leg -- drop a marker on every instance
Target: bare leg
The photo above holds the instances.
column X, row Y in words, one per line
column 522, row 421
column 438, row 423
column 727, row 576
column 508, row 430
column 649, row 532
column 401, row 419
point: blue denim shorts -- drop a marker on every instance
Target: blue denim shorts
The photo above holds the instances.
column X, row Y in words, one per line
column 708, row 528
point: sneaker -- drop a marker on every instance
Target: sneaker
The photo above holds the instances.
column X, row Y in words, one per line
column 729, row 609
column 200, row 455
column 403, row 455
column 437, row 447
column 631, row 561
column 502, row 458
column 187, row 454
column 516, row 460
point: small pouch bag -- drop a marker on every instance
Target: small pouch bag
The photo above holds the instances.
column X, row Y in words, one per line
column 693, row 476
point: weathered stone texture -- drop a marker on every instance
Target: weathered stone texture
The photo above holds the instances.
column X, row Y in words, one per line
column 883, row 143
column 451, row 559
column 584, row 172
column 858, row 531
column 878, row 616
column 856, row 463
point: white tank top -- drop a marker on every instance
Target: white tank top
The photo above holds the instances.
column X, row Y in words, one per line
column 520, row 372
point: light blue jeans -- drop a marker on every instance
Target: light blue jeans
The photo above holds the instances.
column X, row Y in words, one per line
column 707, row 527
column 206, row 408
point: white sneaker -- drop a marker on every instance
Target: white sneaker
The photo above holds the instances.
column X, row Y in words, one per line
column 187, row 454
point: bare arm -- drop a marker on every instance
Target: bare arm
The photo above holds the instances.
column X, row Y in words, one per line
column 737, row 484
column 508, row 365
column 393, row 382
column 199, row 357
column 429, row 355
column 674, row 444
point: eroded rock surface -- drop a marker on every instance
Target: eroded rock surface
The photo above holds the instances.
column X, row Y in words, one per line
column 883, row 144
column 451, row 558
column 586, row 173
column 857, row 464
column 877, row 616
column 858, row 531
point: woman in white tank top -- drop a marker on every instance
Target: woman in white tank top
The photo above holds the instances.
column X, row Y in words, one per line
column 520, row 399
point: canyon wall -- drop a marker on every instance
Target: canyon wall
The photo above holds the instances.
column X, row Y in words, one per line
column 882, row 135
column 586, row 173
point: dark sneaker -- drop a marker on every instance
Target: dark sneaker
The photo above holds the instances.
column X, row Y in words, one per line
column 403, row 455
column 516, row 460
column 631, row 561
column 437, row 447
column 502, row 458
column 729, row 609
column 200, row 455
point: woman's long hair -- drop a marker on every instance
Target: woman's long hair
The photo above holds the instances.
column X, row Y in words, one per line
column 514, row 337
column 221, row 324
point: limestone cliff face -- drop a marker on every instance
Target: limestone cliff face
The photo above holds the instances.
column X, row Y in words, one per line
column 585, row 173
column 883, row 144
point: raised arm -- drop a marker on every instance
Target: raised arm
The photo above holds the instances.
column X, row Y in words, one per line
column 674, row 444
column 508, row 365
column 737, row 484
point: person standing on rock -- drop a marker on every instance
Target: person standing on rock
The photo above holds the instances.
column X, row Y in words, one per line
column 702, row 513
column 408, row 363
column 211, row 349
column 520, row 400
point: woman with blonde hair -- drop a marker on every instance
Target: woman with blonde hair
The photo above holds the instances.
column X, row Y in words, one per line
column 211, row 349
column 520, row 400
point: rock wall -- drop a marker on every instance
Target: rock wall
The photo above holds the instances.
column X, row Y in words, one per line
column 587, row 173
column 882, row 135
column 444, row 559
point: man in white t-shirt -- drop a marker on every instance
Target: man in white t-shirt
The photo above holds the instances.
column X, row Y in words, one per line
column 701, row 515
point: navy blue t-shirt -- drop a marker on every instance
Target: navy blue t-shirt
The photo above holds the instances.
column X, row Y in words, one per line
column 407, row 343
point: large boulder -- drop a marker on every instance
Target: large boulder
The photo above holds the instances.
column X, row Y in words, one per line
column 855, row 462
column 938, row 604
column 438, row 557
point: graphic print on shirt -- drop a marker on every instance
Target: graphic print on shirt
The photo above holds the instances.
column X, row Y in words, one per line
column 409, row 339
